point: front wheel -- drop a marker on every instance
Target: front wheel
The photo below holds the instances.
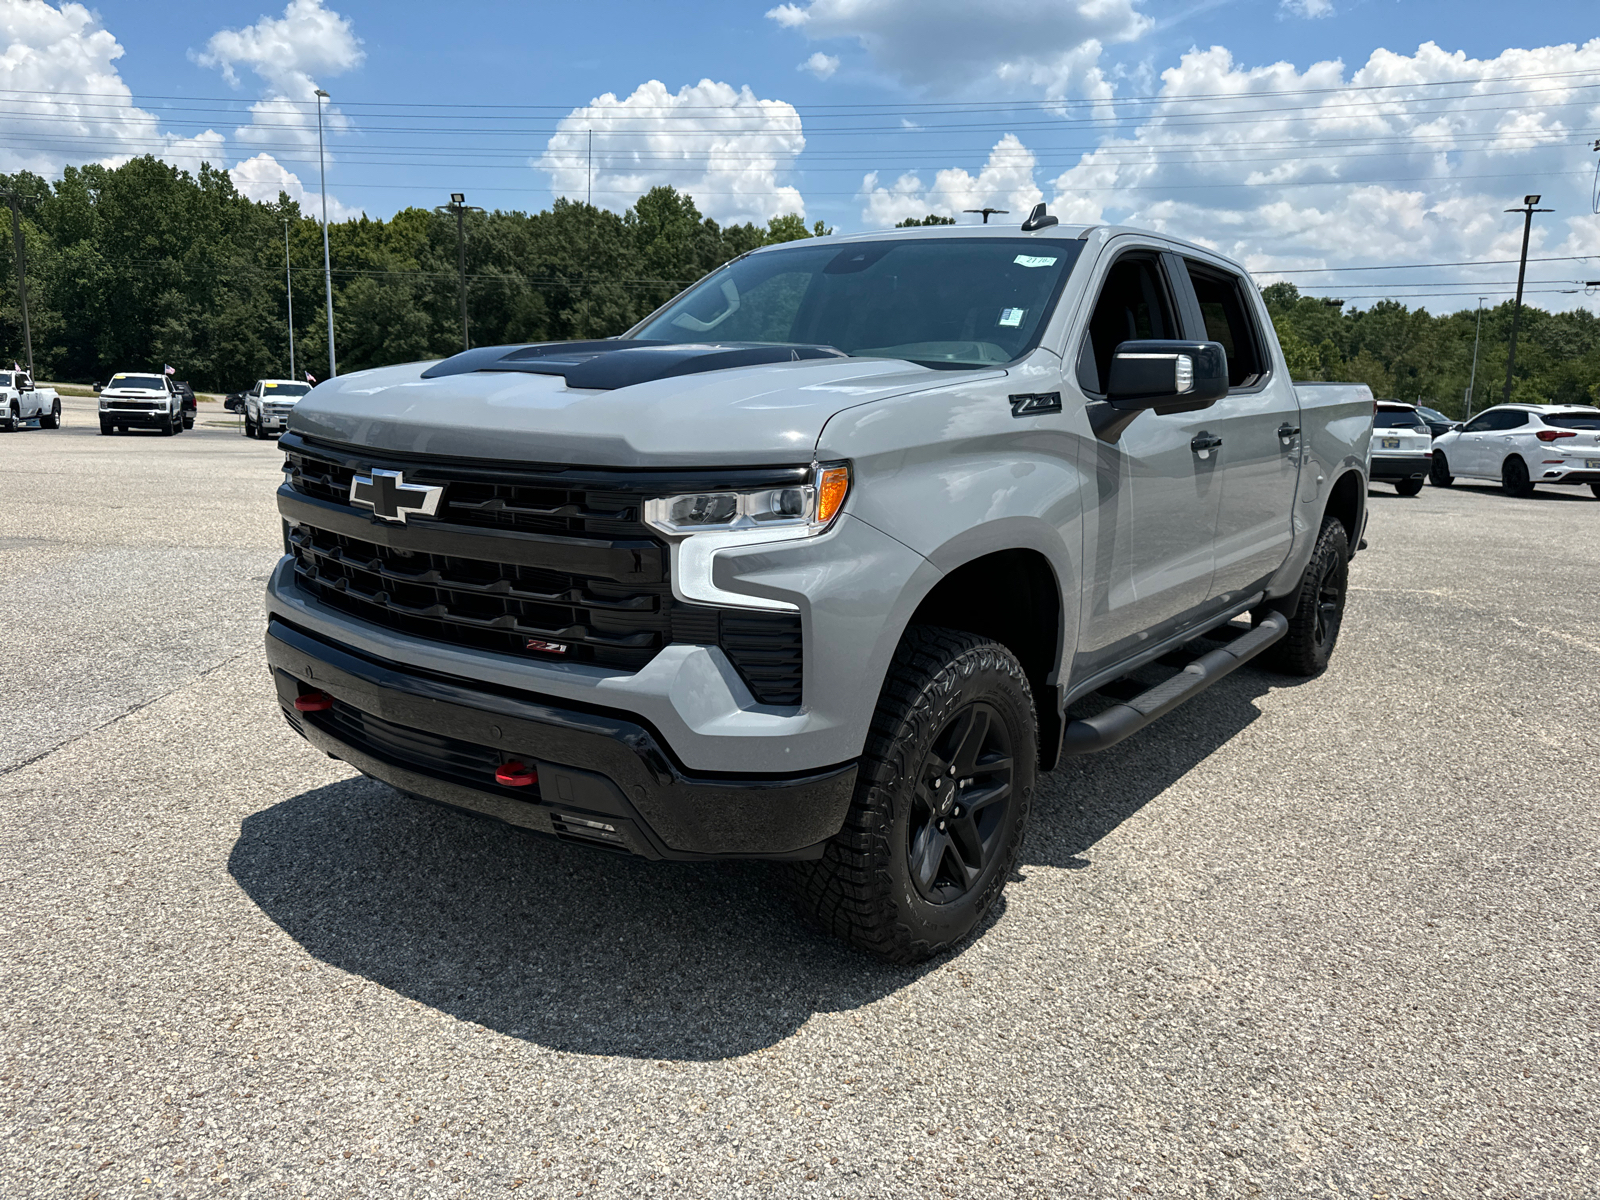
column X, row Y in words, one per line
column 1514, row 479
column 1408, row 487
column 1314, row 628
column 1439, row 471
column 941, row 801
column 13, row 419
column 105, row 428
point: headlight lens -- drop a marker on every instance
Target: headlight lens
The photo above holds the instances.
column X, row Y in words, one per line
column 811, row 506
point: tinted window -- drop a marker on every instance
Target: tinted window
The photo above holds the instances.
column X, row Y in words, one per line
column 1228, row 321
column 944, row 302
column 139, row 381
column 1134, row 305
column 1398, row 420
column 1574, row 420
column 1511, row 419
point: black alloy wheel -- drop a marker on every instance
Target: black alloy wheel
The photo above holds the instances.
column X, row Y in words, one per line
column 1319, row 606
column 1331, row 588
column 1439, row 471
column 1514, row 477
column 960, row 804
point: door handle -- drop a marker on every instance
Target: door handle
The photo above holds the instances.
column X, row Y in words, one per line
column 1287, row 431
column 1204, row 442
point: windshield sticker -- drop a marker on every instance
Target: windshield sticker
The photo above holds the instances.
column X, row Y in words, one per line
column 269, row 386
column 1012, row 317
column 1029, row 260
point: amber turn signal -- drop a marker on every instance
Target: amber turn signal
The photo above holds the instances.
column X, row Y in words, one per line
column 833, row 484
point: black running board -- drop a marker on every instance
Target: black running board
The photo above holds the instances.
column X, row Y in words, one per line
column 1128, row 717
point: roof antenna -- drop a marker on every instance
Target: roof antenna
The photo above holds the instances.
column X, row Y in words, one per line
column 1037, row 219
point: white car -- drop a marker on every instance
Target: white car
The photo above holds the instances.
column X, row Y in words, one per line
column 21, row 401
column 1402, row 447
column 267, row 406
column 1520, row 445
column 140, row 400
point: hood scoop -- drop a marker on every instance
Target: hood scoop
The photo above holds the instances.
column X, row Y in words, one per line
column 613, row 363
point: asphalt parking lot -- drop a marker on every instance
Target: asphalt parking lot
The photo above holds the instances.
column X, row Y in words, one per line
column 1329, row 938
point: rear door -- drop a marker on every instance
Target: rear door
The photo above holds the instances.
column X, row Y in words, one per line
column 1259, row 424
column 1148, row 539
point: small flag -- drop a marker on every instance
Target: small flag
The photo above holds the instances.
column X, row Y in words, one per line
column 171, row 370
column 310, row 378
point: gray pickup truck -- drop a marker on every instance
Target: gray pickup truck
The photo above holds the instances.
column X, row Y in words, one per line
column 823, row 562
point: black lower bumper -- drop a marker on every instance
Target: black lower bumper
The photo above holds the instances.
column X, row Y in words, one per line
column 603, row 779
column 1391, row 467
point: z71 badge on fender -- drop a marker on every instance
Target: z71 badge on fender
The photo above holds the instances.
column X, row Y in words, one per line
column 390, row 497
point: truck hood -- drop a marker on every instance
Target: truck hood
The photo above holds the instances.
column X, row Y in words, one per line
column 133, row 393
column 742, row 416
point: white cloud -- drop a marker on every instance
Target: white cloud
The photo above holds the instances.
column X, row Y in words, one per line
column 67, row 102
column 1005, row 181
column 263, row 177
column 288, row 54
column 821, row 65
column 950, row 46
column 725, row 147
column 1341, row 176
column 1310, row 9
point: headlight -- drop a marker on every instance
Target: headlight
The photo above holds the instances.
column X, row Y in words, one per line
column 104, row 404
column 802, row 510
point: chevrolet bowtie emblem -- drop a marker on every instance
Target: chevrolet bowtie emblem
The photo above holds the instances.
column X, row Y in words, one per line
column 390, row 497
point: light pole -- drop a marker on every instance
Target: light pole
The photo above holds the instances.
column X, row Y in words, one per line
column 327, row 263
column 288, row 283
column 1472, row 380
column 1527, row 210
column 22, row 276
column 459, row 207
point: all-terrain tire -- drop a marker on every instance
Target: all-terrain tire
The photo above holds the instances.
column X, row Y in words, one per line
column 865, row 888
column 1408, row 487
column 1514, row 479
column 1314, row 628
column 1439, row 472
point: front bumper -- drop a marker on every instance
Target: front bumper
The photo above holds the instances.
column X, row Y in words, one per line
column 603, row 779
column 146, row 418
column 1390, row 467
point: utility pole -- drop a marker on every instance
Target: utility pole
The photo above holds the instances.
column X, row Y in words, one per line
column 22, row 276
column 459, row 208
column 1527, row 210
column 288, row 283
column 589, row 176
column 987, row 211
column 327, row 264
column 1472, row 380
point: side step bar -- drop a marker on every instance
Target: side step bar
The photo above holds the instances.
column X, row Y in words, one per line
column 1128, row 717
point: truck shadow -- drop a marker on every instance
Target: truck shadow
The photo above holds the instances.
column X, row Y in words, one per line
column 586, row 952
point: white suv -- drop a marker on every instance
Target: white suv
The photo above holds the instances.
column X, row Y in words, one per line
column 1402, row 445
column 1521, row 445
column 267, row 406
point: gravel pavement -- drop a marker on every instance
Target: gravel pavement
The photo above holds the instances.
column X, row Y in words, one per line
column 1329, row 938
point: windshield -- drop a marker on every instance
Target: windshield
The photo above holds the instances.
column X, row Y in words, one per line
column 283, row 391
column 138, row 381
column 5, row 378
column 1398, row 420
column 1574, row 420
column 941, row 302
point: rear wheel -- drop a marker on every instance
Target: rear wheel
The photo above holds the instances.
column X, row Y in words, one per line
column 941, row 801
column 1408, row 487
column 1514, row 479
column 1595, row 489
column 1314, row 628
column 51, row 419
column 1439, row 472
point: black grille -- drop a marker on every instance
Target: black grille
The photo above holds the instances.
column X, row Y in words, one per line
column 555, row 591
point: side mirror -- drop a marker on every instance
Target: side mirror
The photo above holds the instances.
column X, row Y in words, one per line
column 97, row 389
column 1168, row 376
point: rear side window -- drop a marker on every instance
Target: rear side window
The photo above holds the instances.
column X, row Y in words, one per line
column 1511, row 419
column 1574, row 420
column 1134, row 305
column 1228, row 320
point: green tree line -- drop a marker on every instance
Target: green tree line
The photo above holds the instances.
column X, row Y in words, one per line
column 141, row 265
column 138, row 266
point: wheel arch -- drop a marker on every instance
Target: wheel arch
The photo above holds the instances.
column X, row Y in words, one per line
column 1347, row 503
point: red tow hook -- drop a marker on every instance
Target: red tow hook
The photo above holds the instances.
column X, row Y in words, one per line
column 313, row 702
column 515, row 774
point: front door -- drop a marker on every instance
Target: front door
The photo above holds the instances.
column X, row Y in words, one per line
column 1468, row 453
column 1259, row 424
column 1148, row 541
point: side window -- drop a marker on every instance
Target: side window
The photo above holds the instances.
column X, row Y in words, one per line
column 1226, row 313
column 1512, row 419
column 1479, row 424
column 1135, row 304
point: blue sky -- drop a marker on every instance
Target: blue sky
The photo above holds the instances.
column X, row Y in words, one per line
column 1211, row 120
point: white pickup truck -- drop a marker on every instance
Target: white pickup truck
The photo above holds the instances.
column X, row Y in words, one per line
column 20, row 401
column 140, row 400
